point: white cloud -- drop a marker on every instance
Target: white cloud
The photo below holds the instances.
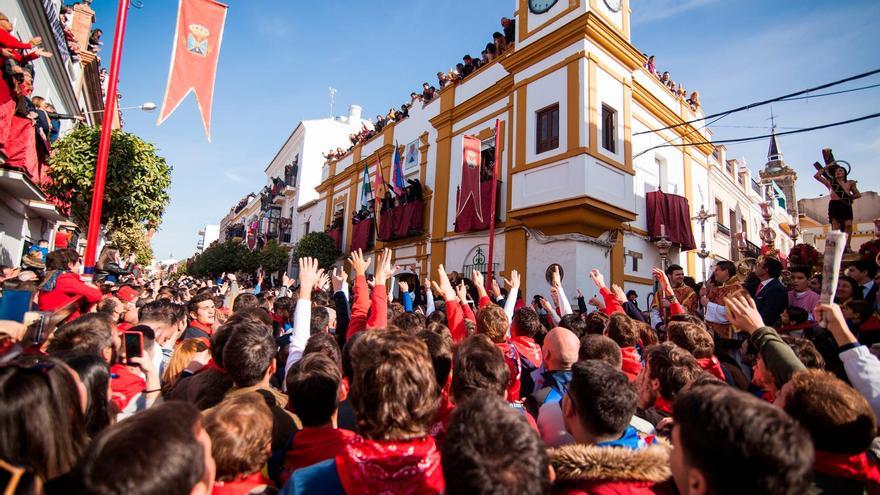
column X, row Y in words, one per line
column 231, row 175
column 654, row 10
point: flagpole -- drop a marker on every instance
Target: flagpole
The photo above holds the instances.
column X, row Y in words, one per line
column 104, row 146
column 489, row 273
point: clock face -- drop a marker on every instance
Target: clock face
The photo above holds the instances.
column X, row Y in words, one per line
column 541, row 6
column 614, row 5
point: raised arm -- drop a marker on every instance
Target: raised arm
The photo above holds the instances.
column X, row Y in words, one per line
column 361, row 304
column 309, row 274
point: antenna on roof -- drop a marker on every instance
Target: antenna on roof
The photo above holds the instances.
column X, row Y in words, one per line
column 332, row 92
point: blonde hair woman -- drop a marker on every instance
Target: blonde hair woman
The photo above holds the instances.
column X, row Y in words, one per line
column 188, row 351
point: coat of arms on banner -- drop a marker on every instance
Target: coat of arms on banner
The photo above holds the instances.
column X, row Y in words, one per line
column 471, row 158
column 197, row 40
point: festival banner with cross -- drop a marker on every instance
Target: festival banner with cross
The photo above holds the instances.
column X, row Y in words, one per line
column 194, row 58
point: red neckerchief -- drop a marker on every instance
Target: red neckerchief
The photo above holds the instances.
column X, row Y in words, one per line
column 212, row 365
column 208, row 329
column 631, row 363
column 528, row 348
column 663, row 405
column 312, row 445
column 851, row 467
column 442, row 418
column 376, row 466
column 240, row 485
column 713, row 366
column 794, row 328
column 511, row 357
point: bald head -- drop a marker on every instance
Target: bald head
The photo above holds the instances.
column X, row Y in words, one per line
column 560, row 349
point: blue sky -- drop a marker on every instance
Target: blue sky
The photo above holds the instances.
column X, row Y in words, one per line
column 279, row 57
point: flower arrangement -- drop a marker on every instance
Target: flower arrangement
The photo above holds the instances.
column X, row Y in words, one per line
column 803, row 254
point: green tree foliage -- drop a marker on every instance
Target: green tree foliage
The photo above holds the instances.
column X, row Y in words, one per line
column 137, row 185
column 274, row 257
column 132, row 239
column 231, row 257
column 317, row 245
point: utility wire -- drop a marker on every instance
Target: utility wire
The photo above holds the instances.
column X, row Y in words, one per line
column 765, row 136
column 765, row 102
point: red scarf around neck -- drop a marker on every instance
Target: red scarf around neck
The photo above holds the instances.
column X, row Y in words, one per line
column 663, row 405
column 713, row 366
column 376, row 466
column 241, row 485
column 851, row 467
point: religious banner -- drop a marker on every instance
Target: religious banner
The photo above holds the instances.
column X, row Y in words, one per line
column 412, row 155
column 469, row 208
column 194, row 57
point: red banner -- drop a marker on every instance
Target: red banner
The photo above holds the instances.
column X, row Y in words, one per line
column 469, row 199
column 194, row 57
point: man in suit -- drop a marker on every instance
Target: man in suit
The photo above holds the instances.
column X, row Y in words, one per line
column 863, row 272
column 771, row 297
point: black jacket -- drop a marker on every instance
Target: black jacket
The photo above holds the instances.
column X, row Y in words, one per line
column 771, row 301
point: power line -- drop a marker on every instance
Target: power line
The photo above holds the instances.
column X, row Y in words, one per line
column 764, row 136
column 765, row 102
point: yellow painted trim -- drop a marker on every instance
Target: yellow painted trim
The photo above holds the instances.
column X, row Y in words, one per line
column 515, row 255
column 521, row 126
column 549, row 70
column 593, row 100
column 625, row 14
column 668, row 117
column 574, row 103
column 572, row 5
column 617, row 260
column 485, row 119
column 627, row 128
column 607, row 68
column 635, row 279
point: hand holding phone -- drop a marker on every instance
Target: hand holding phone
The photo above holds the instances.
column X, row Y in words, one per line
column 133, row 345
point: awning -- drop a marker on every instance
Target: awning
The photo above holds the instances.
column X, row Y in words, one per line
column 46, row 210
column 18, row 185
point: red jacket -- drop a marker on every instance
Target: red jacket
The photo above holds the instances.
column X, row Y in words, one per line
column 68, row 287
column 376, row 305
column 631, row 362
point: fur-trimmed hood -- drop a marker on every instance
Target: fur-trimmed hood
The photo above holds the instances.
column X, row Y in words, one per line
column 579, row 463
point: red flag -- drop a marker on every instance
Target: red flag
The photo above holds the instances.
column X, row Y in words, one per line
column 194, row 57
column 470, row 178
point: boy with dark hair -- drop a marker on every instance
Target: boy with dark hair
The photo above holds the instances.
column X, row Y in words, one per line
column 201, row 317
column 668, row 369
column 490, row 449
column 245, row 301
column 864, row 272
column 314, row 389
column 609, row 456
column 623, row 330
column 249, row 359
column 320, row 321
column 171, row 457
column 168, row 321
column 717, row 427
column 800, row 294
column 394, row 395
column 440, row 349
column 601, row 348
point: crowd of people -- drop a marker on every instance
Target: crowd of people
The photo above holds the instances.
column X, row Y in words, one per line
column 338, row 383
column 29, row 124
column 693, row 100
column 501, row 42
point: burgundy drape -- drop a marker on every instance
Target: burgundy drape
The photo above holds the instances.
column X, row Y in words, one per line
column 336, row 235
column 402, row 221
column 361, row 234
column 674, row 213
column 468, row 220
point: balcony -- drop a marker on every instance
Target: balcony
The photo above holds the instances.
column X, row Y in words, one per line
column 722, row 229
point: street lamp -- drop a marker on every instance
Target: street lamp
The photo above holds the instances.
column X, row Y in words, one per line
column 147, row 106
column 702, row 217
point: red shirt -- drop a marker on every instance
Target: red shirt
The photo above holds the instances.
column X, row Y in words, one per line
column 313, row 445
column 241, row 485
column 631, row 363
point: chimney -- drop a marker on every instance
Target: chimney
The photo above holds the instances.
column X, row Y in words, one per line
column 354, row 116
column 83, row 18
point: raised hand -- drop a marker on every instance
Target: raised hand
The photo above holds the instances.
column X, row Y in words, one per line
column 597, row 278
column 579, row 293
column 444, row 287
column 496, row 290
column 309, row 275
column 323, row 282
column 461, row 292
column 339, row 279
column 618, row 293
column 384, row 269
column 597, row 301
column 404, row 287
column 661, row 277
column 743, row 314
column 36, row 40
column 478, row 280
column 555, row 279
column 513, row 282
column 359, row 263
